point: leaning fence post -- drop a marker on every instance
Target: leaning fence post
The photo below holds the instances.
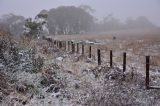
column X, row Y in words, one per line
column 82, row 49
column 124, row 61
column 89, row 51
column 77, row 47
column 147, row 71
column 110, row 58
column 99, row 56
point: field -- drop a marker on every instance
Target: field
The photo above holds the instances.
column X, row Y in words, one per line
column 136, row 43
column 46, row 75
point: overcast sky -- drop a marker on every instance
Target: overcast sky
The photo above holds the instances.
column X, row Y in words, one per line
column 119, row 8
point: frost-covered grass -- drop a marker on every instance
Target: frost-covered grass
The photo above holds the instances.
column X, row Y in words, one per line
column 73, row 80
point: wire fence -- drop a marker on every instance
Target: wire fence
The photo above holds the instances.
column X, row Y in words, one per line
column 104, row 55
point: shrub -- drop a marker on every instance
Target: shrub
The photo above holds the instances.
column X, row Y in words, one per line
column 37, row 64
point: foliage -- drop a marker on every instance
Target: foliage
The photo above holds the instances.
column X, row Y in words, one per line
column 69, row 20
column 8, row 50
column 35, row 28
column 112, row 23
column 12, row 23
column 37, row 63
column 32, row 28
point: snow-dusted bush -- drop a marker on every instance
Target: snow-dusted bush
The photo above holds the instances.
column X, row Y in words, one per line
column 37, row 64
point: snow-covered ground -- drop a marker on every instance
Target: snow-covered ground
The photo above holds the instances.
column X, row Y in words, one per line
column 70, row 79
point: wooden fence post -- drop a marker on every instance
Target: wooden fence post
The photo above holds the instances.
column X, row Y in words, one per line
column 73, row 47
column 65, row 45
column 90, row 51
column 60, row 44
column 99, row 56
column 77, row 47
column 111, row 58
column 147, row 71
column 68, row 45
column 82, row 49
column 124, row 61
column 57, row 44
column 54, row 42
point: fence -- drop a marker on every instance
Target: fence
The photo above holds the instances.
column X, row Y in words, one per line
column 72, row 47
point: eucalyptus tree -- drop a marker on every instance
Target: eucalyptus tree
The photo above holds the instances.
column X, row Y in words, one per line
column 69, row 20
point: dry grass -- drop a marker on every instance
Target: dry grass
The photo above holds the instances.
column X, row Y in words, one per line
column 136, row 43
column 124, row 34
column 80, row 72
column 131, row 39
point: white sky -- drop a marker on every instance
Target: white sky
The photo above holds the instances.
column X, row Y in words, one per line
column 119, row 8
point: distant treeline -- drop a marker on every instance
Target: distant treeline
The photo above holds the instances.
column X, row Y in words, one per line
column 68, row 20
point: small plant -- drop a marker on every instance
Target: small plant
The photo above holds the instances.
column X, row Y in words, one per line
column 8, row 50
column 2, row 50
column 114, row 38
column 37, row 64
column 77, row 86
column 14, row 51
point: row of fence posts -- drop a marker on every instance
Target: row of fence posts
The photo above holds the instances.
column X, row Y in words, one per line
column 71, row 47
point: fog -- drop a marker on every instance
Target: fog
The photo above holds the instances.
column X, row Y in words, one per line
column 121, row 9
column 79, row 52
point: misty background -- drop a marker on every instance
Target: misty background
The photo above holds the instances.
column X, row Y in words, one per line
column 68, row 17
